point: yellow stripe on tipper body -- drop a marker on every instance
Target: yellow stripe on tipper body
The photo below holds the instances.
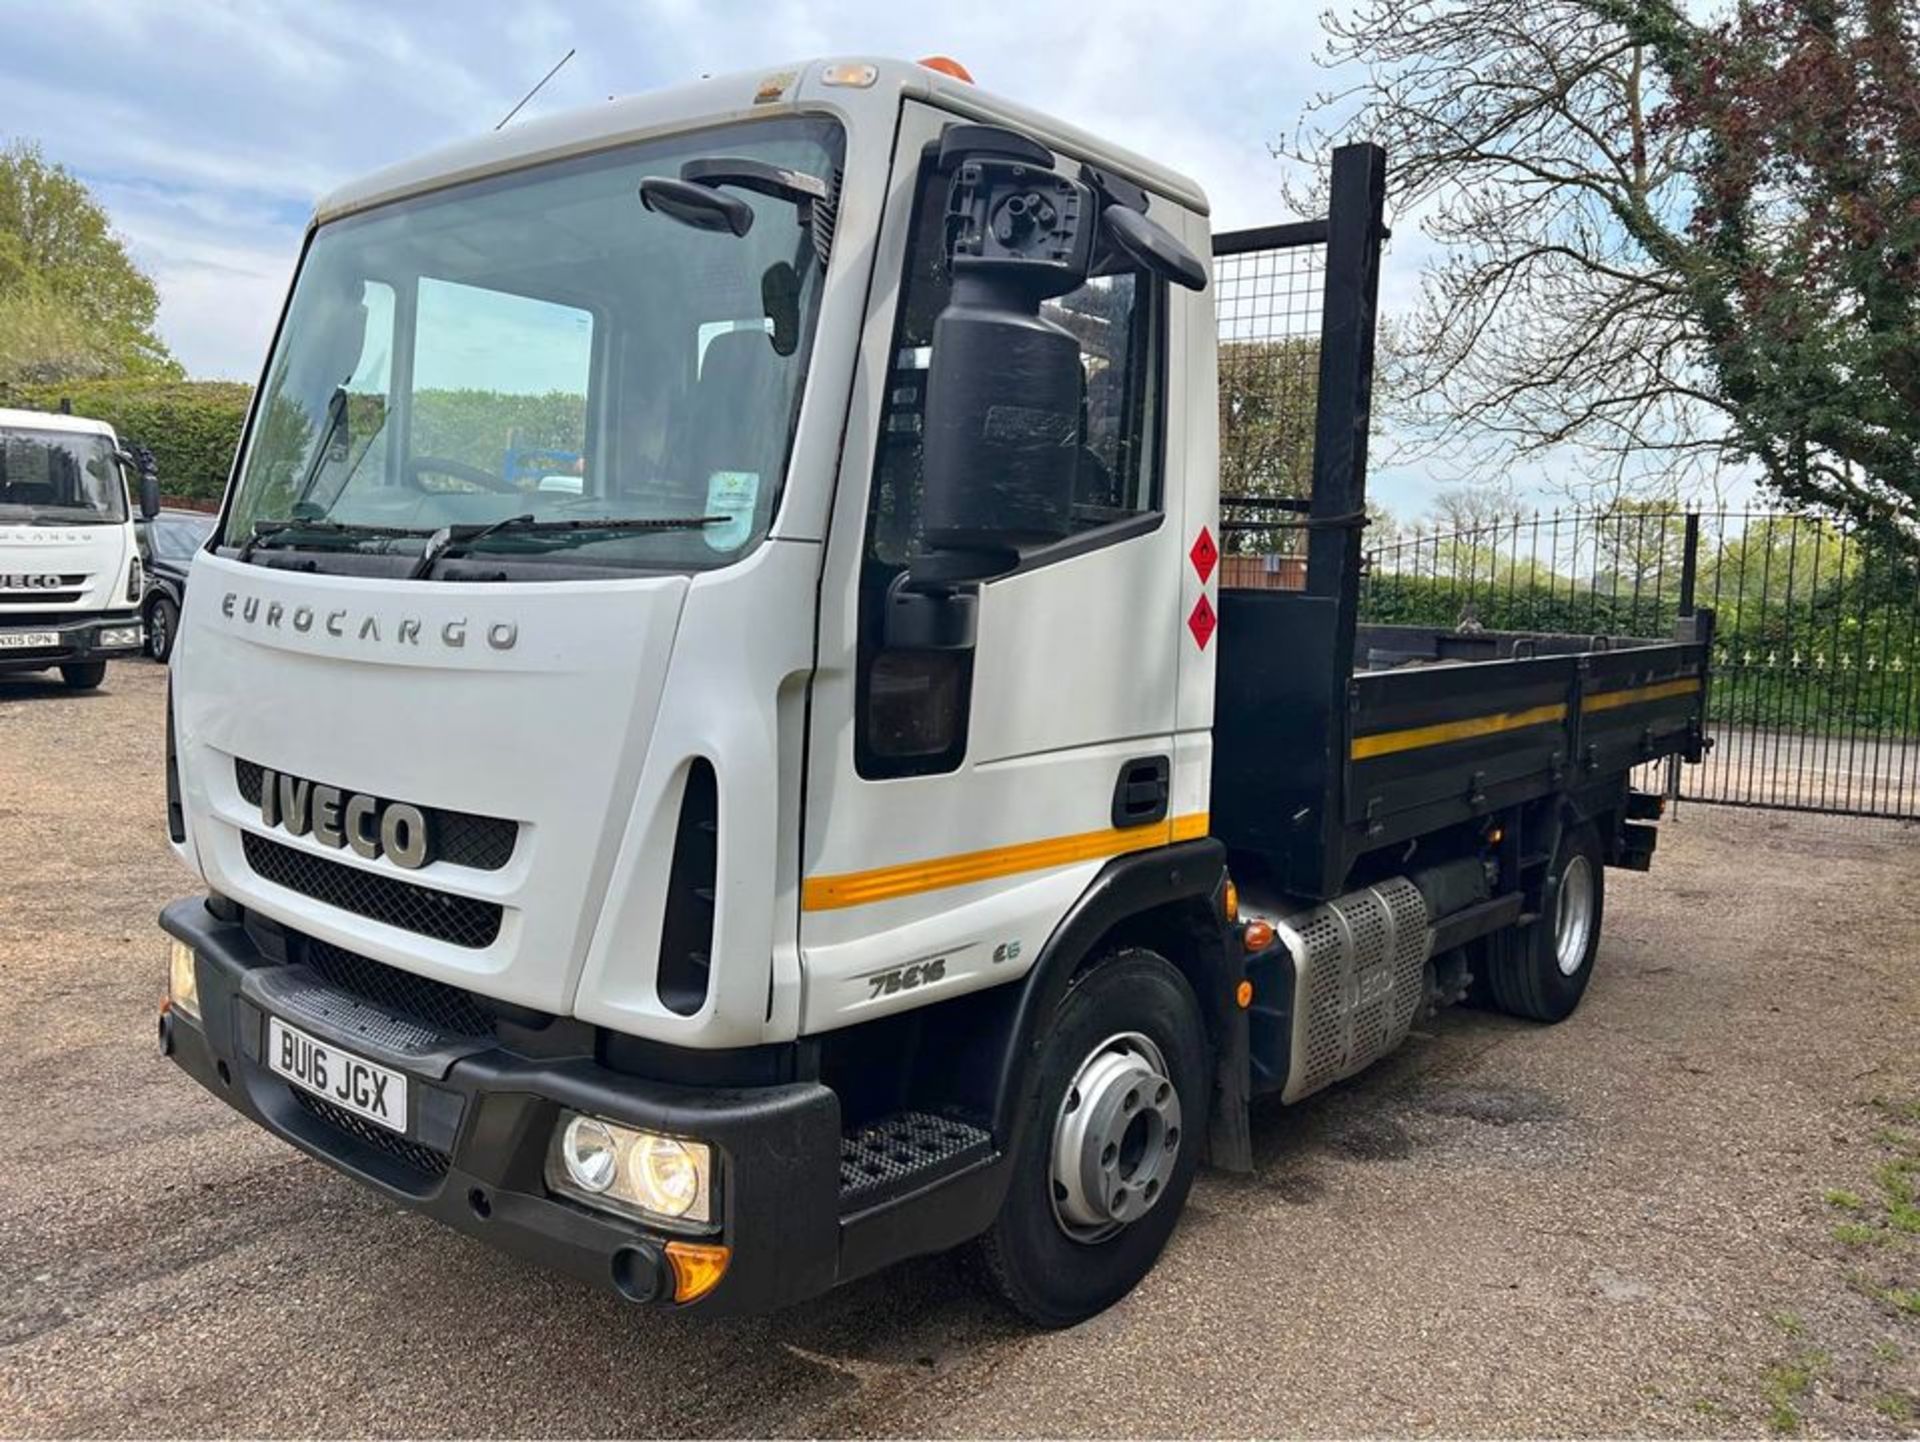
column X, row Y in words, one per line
column 910, row 878
column 1388, row 743
column 1659, row 691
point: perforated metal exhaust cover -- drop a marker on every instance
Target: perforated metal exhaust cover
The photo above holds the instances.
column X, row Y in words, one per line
column 1360, row 966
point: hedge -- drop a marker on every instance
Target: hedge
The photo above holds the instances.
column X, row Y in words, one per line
column 192, row 427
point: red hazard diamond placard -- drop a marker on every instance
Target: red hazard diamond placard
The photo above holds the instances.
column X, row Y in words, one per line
column 1203, row 555
column 1200, row 621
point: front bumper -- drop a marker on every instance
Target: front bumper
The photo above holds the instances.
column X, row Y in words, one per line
column 75, row 641
column 482, row 1117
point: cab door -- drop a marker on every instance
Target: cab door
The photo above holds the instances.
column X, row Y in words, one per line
column 960, row 801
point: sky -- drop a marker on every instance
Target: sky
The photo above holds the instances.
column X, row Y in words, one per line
column 209, row 128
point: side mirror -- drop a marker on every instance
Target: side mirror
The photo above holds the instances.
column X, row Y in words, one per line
column 1001, row 441
column 139, row 460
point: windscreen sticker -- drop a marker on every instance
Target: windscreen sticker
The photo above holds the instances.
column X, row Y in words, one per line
column 731, row 494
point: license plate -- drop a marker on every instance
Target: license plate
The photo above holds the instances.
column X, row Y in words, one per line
column 375, row 1092
column 28, row 640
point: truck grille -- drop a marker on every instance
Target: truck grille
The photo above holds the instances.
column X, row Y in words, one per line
column 422, row 1159
column 457, row 920
column 433, row 1004
column 460, row 838
column 36, row 620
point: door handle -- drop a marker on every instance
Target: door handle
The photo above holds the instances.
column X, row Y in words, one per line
column 1142, row 794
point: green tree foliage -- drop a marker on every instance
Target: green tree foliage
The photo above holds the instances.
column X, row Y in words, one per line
column 73, row 306
column 1269, row 392
column 1800, row 124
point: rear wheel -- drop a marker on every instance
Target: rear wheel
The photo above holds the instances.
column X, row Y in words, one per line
column 85, row 675
column 163, row 620
column 1541, row 971
column 1111, row 1139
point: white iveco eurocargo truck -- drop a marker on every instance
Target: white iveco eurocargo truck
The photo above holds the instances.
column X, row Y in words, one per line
column 70, row 576
column 714, row 738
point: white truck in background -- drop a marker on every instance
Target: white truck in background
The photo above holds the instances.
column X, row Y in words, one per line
column 716, row 744
column 70, row 574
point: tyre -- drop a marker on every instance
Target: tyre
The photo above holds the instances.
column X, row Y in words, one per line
column 1113, row 1122
column 163, row 623
column 85, row 675
column 1541, row 971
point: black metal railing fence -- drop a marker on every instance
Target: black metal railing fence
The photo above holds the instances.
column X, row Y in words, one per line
column 1814, row 703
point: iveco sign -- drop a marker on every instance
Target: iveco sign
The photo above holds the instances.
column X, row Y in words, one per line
column 372, row 827
column 365, row 626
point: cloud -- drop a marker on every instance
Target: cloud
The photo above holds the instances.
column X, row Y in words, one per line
column 224, row 120
column 210, row 129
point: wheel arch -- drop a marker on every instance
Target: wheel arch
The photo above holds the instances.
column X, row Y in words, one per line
column 1168, row 900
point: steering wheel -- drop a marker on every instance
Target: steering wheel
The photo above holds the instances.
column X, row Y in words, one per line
column 418, row 466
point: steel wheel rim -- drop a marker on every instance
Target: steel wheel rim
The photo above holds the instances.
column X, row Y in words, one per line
column 1573, row 916
column 1116, row 1139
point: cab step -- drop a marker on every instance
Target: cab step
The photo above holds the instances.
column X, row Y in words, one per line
column 904, row 1152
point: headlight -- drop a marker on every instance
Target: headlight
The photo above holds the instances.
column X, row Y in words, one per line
column 112, row 636
column 591, row 1155
column 641, row 1174
column 183, row 980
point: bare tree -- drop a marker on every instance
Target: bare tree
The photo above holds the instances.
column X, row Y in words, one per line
column 1519, row 139
column 1667, row 240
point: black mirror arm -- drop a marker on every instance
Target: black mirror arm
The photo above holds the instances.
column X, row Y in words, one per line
column 794, row 186
column 1152, row 247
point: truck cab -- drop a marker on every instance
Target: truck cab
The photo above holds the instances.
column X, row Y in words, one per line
column 70, row 572
column 697, row 721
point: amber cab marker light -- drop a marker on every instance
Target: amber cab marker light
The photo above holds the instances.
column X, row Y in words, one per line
column 697, row 1268
column 850, row 76
column 1243, row 994
column 946, row 65
column 1258, row 936
column 1230, row 902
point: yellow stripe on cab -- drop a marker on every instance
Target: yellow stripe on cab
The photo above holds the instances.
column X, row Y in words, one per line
column 910, row 878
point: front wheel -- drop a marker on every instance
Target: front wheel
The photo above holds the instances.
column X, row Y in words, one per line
column 163, row 620
column 84, row 676
column 1541, row 971
column 1111, row 1138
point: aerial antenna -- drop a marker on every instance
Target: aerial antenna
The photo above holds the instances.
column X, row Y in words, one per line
column 536, row 89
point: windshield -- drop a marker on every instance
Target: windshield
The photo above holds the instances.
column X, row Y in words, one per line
column 170, row 538
column 542, row 346
column 59, row 478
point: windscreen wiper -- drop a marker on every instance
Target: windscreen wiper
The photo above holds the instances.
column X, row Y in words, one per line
column 449, row 540
column 555, row 535
column 268, row 533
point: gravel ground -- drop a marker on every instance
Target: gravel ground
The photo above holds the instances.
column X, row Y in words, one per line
column 1620, row 1225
